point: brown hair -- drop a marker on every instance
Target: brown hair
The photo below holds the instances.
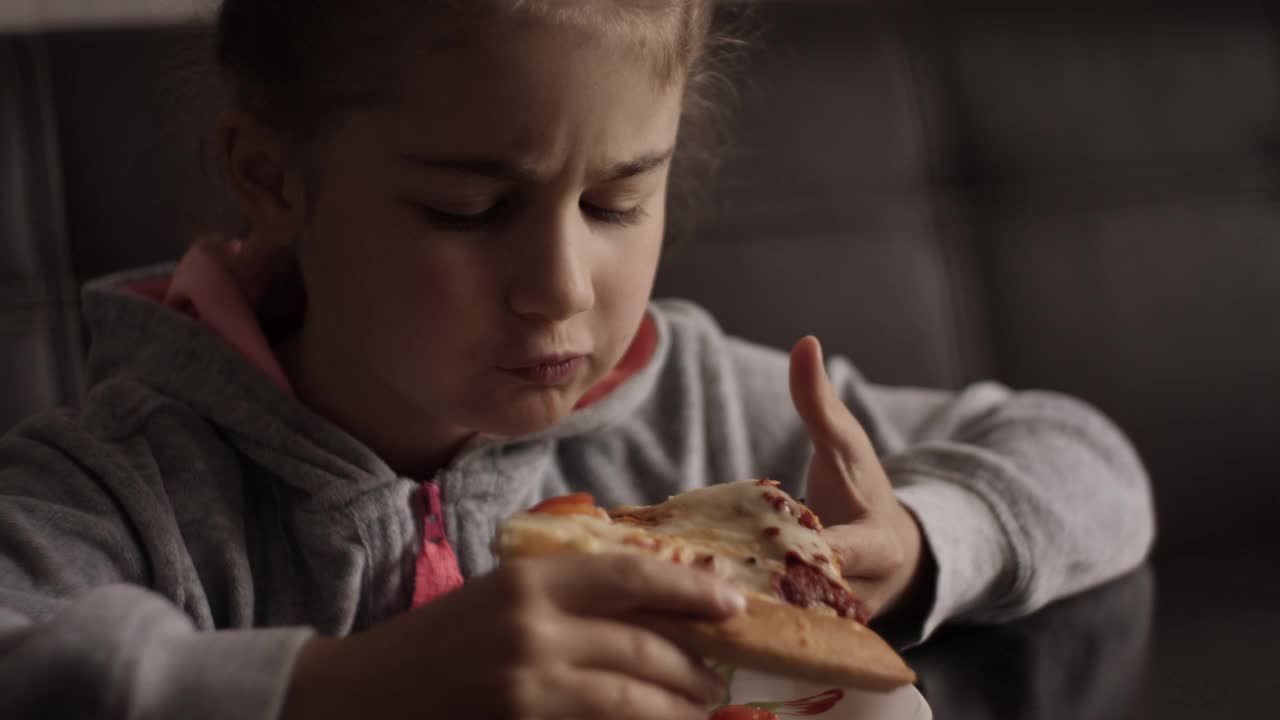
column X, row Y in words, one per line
column 294, row 63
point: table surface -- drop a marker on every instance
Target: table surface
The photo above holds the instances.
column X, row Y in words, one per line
column 1188, row 636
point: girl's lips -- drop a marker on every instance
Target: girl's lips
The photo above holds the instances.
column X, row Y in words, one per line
column 550, row 372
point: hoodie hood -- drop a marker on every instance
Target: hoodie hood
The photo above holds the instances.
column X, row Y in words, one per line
column 135, row 339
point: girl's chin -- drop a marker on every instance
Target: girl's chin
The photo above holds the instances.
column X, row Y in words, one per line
column 527, row 416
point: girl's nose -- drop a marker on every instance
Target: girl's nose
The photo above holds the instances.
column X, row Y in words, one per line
column 553, row 279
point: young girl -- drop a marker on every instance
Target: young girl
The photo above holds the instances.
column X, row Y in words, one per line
column 270, row 499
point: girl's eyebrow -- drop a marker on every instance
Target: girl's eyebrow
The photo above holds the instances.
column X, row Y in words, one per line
column 637, row 166
column 501, row 169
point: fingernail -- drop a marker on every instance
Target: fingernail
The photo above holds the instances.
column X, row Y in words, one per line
column 732, row 600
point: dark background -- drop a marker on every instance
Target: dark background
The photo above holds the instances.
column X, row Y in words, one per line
column 1064, row 195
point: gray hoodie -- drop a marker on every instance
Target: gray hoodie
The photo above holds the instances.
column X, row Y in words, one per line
column 166, row 551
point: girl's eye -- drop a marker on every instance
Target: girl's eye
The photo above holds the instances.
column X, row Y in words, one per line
column 622, row 218
column 500, row 211
column 463, row 222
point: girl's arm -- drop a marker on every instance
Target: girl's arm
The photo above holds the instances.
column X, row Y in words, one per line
column 89, row 628
column 81, row 636
column 121, row 651
column 1022, row 497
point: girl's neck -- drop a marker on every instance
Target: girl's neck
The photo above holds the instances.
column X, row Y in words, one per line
column 412, row 443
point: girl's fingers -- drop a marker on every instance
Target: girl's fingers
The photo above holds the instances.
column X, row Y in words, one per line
column 871, row 558
column 614, row 585
column 865, row 551
column 811, row 394
column 643, row 655
column 836, row 486
column 831, row 426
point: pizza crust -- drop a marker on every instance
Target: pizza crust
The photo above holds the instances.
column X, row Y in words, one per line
column 785, row 640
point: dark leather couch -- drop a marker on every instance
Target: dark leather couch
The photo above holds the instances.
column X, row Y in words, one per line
column 1075, row 196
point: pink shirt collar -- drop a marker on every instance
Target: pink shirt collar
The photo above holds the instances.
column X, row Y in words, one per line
column 202, row 288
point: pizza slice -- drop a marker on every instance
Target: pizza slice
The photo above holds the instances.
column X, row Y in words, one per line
column 802, row 618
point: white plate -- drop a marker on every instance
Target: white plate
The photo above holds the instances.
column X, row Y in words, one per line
column 795, row 699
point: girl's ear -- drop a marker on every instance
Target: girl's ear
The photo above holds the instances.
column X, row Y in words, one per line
column 257, row 164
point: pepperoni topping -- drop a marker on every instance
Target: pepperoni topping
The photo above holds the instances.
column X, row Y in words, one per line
column 778, row 502
column 573, row 504
column 809, row 520
column 644, row 542
column 634, row 518
column 772, row 532
column 805, row 586
column 704, row 561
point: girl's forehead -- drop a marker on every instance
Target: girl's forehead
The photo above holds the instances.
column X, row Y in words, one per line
column 532, row 90
column 649, row 33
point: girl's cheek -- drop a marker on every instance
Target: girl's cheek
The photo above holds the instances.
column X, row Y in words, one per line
column 452, row 279
column 640, row 255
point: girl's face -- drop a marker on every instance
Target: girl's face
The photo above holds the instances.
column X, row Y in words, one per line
column 481, row 252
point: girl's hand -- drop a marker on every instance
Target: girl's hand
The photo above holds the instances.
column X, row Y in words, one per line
column 542, row 638
column 877, row 539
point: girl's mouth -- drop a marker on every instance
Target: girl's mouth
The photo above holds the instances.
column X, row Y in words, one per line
column 549, row 372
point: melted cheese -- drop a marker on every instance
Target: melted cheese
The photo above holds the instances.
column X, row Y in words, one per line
column 736, row 520
column 747, row 527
